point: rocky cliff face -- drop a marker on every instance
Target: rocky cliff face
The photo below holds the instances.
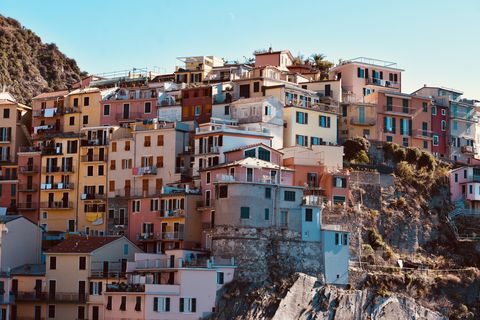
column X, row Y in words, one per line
column 303, row 297
column 28, row 66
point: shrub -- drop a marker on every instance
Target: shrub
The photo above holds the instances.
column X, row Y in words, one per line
column 362, row 157
column 404, row 170
column 399, row 155
column 426, row 160
column 375, row 239
column 412, row 155
column 389, row 149
column 353, row 146
column 401, row 202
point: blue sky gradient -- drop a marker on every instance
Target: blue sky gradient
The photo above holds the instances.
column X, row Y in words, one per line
column 436, row 42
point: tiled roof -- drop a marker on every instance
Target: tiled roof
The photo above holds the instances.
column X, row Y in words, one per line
column 250, row 163
column 53, row 94
column 8, row 218
column 81, row 244
column 251, row 146
column 29, row 269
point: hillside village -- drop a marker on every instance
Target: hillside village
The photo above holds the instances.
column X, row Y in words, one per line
column 228, row 189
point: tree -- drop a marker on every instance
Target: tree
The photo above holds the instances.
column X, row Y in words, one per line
column 318, row 62
column 299, row 59
column 426, row 160
column 412, row 155
column 352, row 148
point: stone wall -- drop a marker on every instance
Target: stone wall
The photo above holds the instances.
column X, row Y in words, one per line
column 267, row 254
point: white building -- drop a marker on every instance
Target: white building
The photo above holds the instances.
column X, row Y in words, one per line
column 336, row 253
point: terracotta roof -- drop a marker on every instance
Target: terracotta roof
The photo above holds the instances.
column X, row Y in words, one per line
column 81, row 244
column 253, row 145
column 53, row 94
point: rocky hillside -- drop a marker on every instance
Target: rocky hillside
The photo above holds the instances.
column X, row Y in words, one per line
column 28, row 66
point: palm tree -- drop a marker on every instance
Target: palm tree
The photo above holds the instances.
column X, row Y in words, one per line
column 319, row 62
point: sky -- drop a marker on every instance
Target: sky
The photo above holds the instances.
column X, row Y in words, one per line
column 437, row 42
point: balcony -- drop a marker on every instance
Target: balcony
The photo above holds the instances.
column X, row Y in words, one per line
column 311, row 200
column 92, row 158
column 94, row 142
column 204, row 204
column 175, row 235
column 5, row 158
column 398, row 110
column 26, row 206
column 382, row 83
column 93, row 196
column 8, row 177
column 55, row 169
column 144, row 171
column 67, row 297
column 367, row 121
column 177, row 213
column 56, row 186
column 468, row 149
column 51, row 151
column 51, row 112
column 56, row 205
column 125, row 287
column 28, row 187
column 131, row 116
column 464, row 116
column 148, row 236
column 33, row 296
column 30, row 149
column 423, row 134
column 28, row 169
column 47, row 130
column 137, row 192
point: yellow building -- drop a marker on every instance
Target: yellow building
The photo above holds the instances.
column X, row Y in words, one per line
column 359, row 120
column 307, row 126
column 87, row 100
column 58, row 181
column 28, row 288
column 92, row 177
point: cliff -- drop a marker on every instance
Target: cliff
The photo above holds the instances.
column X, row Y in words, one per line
column 28, row 66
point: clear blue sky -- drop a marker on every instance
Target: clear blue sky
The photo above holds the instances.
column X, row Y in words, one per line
column 436, row 42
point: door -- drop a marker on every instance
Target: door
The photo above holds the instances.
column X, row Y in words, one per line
column 164, row 230
column 38, row 312
column 52, row 289
column 172, row 261
column 328, row 90
column 14, row 286
column 361, row 114
column 101, row 154
column 81, row 290
column 127, row 188
column 29, row 182
column 65, row 200
column 90, row 155
column 126, row 111
column 38, row 288
column 212, row 219
column 105, row 268
column 95, row 313
column 245, row 91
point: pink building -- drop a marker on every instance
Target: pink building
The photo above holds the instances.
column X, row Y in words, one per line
column 465, row 187
column 178, row 285
column 29, row 163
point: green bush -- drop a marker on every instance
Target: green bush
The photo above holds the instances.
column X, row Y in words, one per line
column 362, row 157
column 352, row 147
column 389, row 149
column 412, row 155
column 399, row 155
column 375, row 239
column 427, row 160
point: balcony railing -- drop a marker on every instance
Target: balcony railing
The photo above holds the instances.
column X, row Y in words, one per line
column 383, row 83
column 53, row 169
column 29, row 169
column 464, row 116
column 398, row 110
column 93, row 196
column 30, row 296
column 171, row 213
column 5, row 138
column 57, row 205
column 28, row 187
column 312, row 200
column 142, row 171
column 67, row 297
column 367, row 121
column 29, row 149
column 125, row 287
column 130, row 116
column 176, row 235
column 425, row 134
column 27, row 206
column 56, row 186
column 94, row 142
column 137, row 192
column 146, row 236
column 9, row 177
column 50, row 151
column 92, row 158
column 468, row 149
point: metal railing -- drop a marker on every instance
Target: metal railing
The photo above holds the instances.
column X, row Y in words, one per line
column 27, row 206
column 176, row 213
column 93, row 158
column 29, row 169
column 383, row 83
column 30, row 296
column 93, row 142
column 367, row 121
column 54, row 169
column 56, row 186
column 28, row 187
column 398, row 109
column 56, row 205
column 67, row 297
column 130, row 116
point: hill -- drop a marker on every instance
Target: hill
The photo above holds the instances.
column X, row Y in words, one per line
column 28, row 66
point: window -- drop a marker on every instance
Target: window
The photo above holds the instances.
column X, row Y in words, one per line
column 146, row 141
column 268, row 193
column 226, row 110
column 249, row 174
column 6, row 113
column 161, row 304
column 434, row 111
column 53, row 263
column 208, row 177
column 81, row 312
column 109, row 303
column 123, row 303
column 324, row 121
column 220, row 278
column 302, row 117
column 425, row 107
column 360, row 73
column 125, row 249
column 244, row 212
column 90, row 171
column 106, row 110
column 101, row 170
column 136, row 206
column 114, row 147
column 85, row 120
column 456, row 177
column 51, row 311
column 267, row 214
column 263, row 154
column 389, row 139
column 198, row 110
column 71, row 121
column 96, row 288
column 153, row 204
column 301, row 140
column 389, row 103
column 315, row 141
column 148, row 107
column 444, row 112
column 72, row 146
column 425, row 144
column 308, row 215
column 138, row 303
column 405, row 103
column 289, row 195
column 111, row 185
column 435, row 140
column 113, row 164
column 337, row 239
column 86, row 101
column 256, row 86
column 75, row 102
column 160, row 140
column 345, row 239
column 127, row 145
column 160, row 162
column 250, row 153
column 82, row 263
column 13, row 190
column 223, row 191
column 188, row 305
column 444, row 125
